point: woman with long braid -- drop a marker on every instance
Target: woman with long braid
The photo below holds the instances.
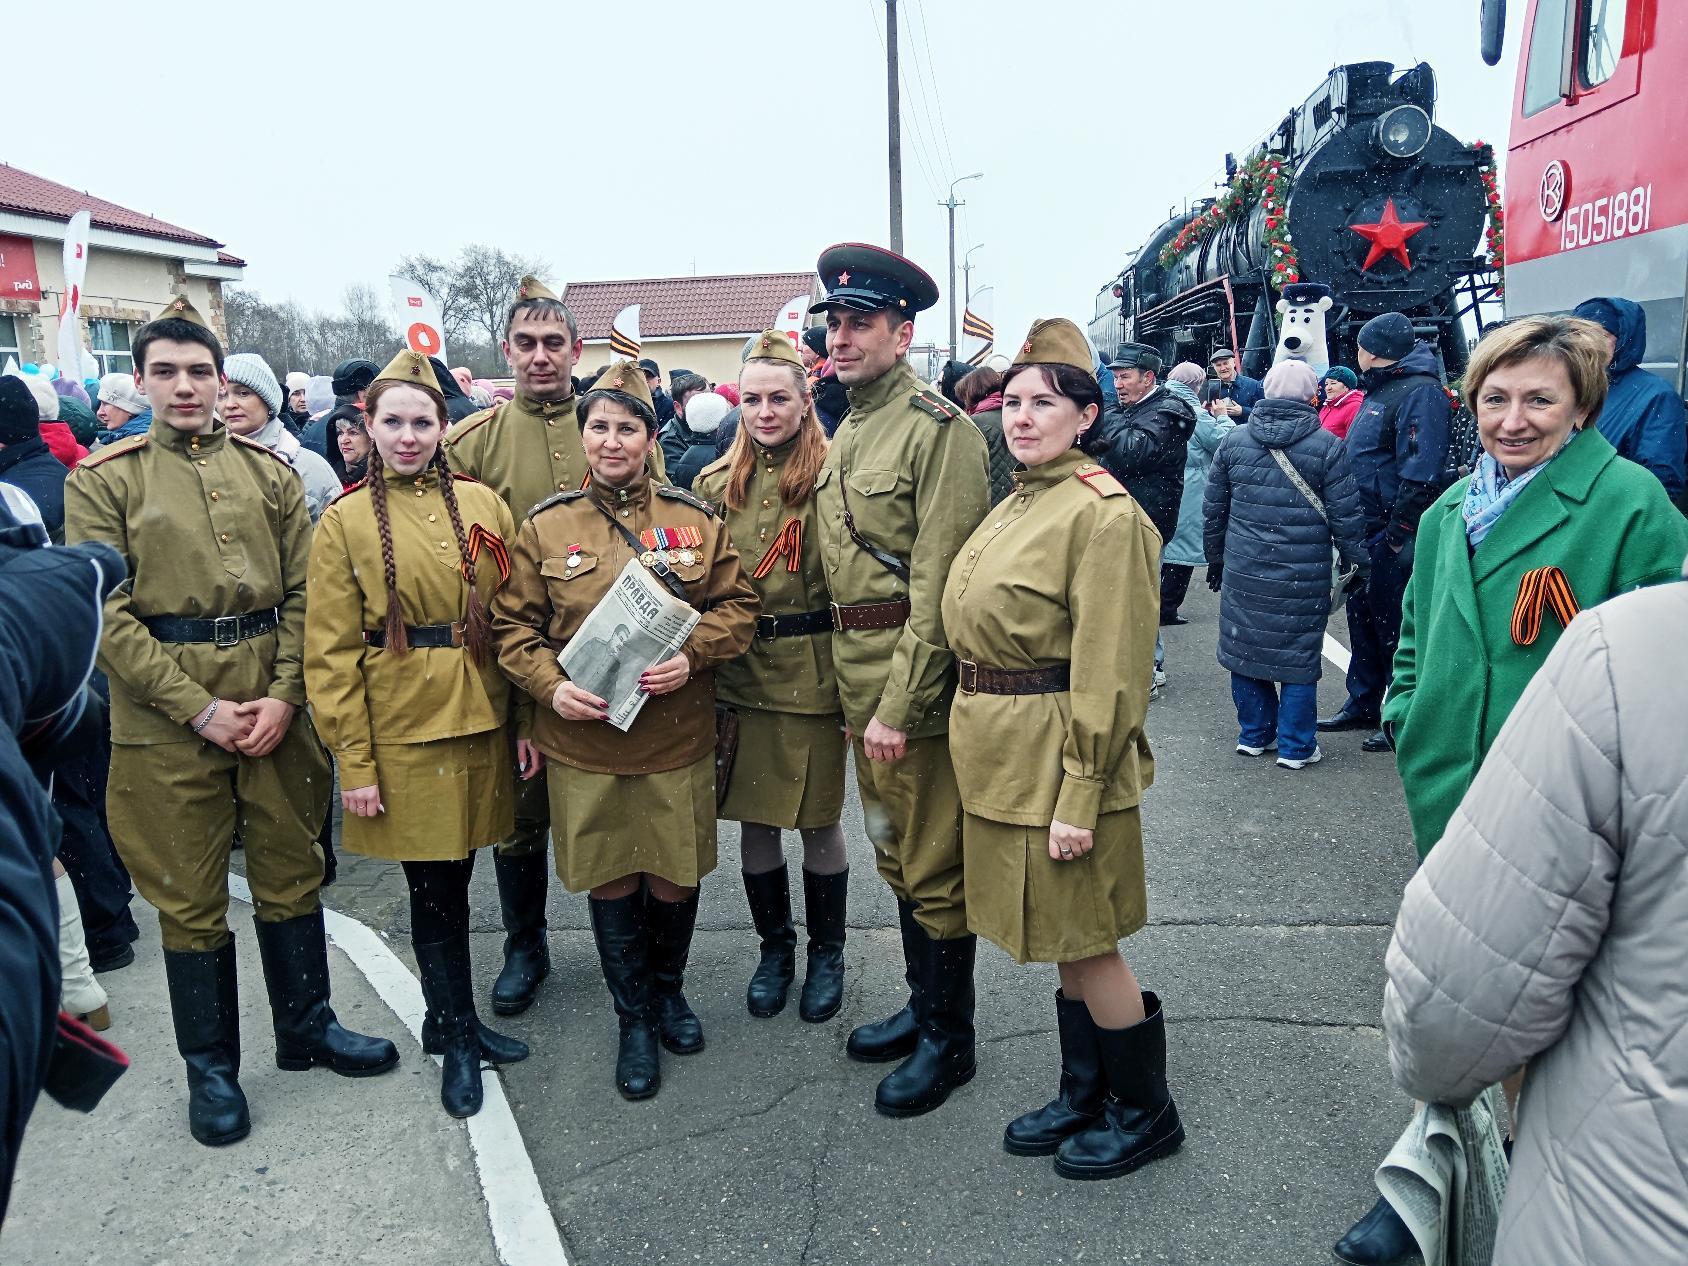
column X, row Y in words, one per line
column 407, row 694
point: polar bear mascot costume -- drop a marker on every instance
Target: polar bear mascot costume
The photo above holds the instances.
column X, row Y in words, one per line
column 1302, row 333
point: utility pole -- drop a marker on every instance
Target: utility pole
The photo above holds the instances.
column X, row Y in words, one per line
column 893, row 121
column 967, row 275
column 952, row 204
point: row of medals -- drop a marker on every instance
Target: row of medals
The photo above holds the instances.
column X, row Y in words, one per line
column 650, row 558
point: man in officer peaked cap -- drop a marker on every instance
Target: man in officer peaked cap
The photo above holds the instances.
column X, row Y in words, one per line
column 904, row 485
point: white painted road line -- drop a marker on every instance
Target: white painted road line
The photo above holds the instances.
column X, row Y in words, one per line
column 523, row 1231
column 1337, row 653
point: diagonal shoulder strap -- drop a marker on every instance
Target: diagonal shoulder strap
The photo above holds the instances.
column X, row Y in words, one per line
column 660, row 567
column 1301, row 485
column 889, row 561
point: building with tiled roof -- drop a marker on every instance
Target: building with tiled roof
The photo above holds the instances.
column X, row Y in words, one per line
column 696, row 323
column 136, row 263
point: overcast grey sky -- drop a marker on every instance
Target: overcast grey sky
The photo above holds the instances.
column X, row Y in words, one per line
column 322, row 141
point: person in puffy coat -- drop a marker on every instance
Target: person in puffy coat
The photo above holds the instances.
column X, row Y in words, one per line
column 1546, row 930
column 1643, row 416
column 1272, row 552
column 1184, row 553
column 980, row 393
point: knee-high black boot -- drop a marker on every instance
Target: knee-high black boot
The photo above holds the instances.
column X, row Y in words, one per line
column 770, row 910
column 894, row 1037
column 450, row 993
column 1139, row 1121
column 522, row 885
column 205, row 1005
column 1078, row 1102
column 619, row 928
column 295, row 957
column 671, row 924
column 824, row 901
column 943, row 1057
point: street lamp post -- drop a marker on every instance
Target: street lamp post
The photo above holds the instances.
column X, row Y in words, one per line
column 967, row 275
column 952, row 204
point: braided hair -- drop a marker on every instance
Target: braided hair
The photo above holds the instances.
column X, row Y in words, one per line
column 477, row 627
column 397, row 642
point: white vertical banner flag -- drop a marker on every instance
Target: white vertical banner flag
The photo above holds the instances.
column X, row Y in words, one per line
column 978, row 336
column 70, row 308
column 418, row 314
column 793, row 317
column 624, row 333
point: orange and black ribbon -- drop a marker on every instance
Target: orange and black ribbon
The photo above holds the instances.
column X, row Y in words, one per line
column 787, row 545
column 480, row 538
column 1541, row 590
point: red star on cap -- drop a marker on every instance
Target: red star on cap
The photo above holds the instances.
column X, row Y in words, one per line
column 1388, row 236
column 844, row 279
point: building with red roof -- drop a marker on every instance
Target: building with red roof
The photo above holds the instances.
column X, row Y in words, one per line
column 136, row 264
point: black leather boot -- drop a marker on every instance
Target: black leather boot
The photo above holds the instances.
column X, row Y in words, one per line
column 1139, row 1121
column 670, row 925
column 1378, row 1239
column 1078, row 1103
column 295, row 957
column 205, row 1005
column 943, row 1055
column 450, row 994
column 496, row 1048
column 770, row 911
column 522, row 886
column 619, row 929
column 895, row 1036
column 824, row 898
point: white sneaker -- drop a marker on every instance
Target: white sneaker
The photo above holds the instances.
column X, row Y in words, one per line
column 1285, row 762
column 1159, row 679
column 1243, row 749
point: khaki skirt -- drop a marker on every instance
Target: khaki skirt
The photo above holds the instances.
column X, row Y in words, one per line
column 443, row 799
column 608, row 826
column 789, row 771
column 1044, row 911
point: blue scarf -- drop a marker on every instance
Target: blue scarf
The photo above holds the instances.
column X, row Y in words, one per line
column 1492, row 490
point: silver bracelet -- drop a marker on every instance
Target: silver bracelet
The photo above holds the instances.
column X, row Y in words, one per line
column 206, row 719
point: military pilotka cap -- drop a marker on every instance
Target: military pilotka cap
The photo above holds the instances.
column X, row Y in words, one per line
column 774, row 345
column 412, row 368
column 1055, row 341
column 626, row 377
column 867, row 278
column 1135, row 356
column 180, row 309
column 533, row 288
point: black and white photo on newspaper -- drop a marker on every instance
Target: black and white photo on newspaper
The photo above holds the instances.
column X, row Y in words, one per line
column 635, row 626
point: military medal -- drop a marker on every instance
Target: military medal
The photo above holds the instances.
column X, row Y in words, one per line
column 648, row 558
column 574, row 556
column 670, row 544
column 687, row 557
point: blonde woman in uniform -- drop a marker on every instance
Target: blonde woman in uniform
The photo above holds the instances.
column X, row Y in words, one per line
column 407, row 694
column 789, row 770
column 1051, row 607
column 632, row 813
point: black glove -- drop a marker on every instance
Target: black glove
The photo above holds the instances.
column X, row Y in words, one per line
column 1215, row 574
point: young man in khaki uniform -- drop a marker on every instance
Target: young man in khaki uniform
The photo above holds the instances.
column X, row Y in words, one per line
column 204, row 646
column 904, row 485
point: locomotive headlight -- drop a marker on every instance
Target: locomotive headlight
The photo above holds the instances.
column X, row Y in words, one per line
column 1402, row 132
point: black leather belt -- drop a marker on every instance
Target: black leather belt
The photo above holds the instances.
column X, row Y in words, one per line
column 978, row 680
column 222, row 630
column 768, row 627
column 420, row 636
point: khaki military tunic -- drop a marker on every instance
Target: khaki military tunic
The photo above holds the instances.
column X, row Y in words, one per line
column 1066, row 570
column 429, row 728
column 917, row 484
column 643, row 801
column 210, row 525
column 789, row 771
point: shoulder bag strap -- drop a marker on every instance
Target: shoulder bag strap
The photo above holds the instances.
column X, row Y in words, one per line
column 889, row 561
column 1301, row 485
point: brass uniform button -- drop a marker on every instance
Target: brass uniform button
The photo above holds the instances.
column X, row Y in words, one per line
column 216, row 496
column 562, row 487
column 224, row 538
column 202, row 461
column 432, row 517
column 626, row 513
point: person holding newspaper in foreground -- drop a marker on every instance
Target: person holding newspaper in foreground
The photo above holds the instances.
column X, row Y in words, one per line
column 632, row 774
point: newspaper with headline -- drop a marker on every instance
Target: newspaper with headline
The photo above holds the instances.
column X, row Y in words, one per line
column 635, row 626
column 1446, row 1177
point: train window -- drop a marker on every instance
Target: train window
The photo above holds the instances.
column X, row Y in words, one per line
column 1544, row 75
column 1602, row 40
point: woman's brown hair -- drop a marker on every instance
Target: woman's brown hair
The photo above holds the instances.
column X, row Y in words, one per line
column 477, row 631
column 1577, row 344
column 797, row 479
column 975, row 386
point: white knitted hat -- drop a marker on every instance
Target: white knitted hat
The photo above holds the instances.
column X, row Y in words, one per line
column 250, row 371
column 120, row 390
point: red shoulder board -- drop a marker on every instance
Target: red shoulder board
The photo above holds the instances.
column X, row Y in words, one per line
column 1099, row 481
column 260, row 448
column 133, row 444
column 468, row 479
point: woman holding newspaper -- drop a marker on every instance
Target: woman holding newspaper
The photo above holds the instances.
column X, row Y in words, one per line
column 405, row 691
column 598, row 577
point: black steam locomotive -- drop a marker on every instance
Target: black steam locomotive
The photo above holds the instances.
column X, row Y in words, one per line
column 1358, row 189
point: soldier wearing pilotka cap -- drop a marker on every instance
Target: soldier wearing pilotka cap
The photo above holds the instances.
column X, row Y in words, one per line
column 904, row 483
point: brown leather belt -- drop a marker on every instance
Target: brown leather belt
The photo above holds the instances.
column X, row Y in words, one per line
column 871, row 615
column 976, row 680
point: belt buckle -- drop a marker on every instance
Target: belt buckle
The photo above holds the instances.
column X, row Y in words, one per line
column 223, row 639
column 768, row 622
column 837, row 618
column 967, row 673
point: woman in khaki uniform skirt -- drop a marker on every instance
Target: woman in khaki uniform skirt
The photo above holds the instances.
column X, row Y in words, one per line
column 789, row 771
column 406, row 693
column 1051, row 607
column 632, row 813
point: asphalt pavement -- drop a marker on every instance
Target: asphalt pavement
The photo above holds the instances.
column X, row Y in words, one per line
column 1271, row 894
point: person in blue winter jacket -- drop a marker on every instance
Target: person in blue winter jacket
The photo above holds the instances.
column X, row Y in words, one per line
column 1644, row 418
